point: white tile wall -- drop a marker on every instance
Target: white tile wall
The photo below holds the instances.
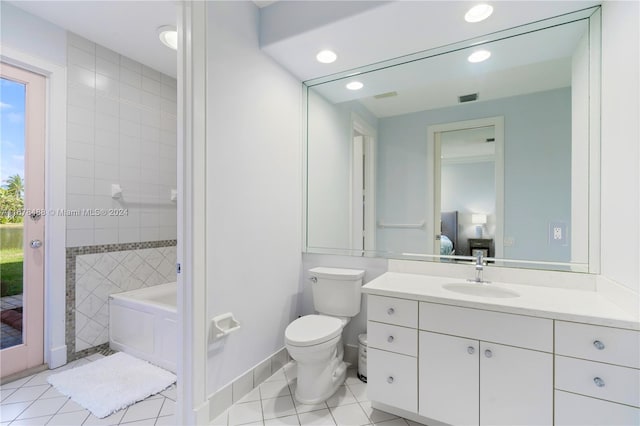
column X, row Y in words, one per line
column 121, row 127
column 101, row 274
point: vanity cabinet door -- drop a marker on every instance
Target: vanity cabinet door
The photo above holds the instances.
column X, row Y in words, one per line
column 392, row 379
column 449, row 378
column 516, row 386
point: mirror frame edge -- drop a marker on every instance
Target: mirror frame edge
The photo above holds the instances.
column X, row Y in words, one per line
column 595, row 90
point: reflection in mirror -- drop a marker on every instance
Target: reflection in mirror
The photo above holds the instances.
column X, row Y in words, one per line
column 492, row 155
column 466, row 199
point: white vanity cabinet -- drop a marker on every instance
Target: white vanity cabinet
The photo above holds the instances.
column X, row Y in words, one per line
column 471, row 372
column 438, row 362
column 597, row 375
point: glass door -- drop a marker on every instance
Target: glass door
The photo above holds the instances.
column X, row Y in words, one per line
column 22, row 130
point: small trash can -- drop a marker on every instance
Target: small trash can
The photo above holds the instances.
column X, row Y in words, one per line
column 362, row 357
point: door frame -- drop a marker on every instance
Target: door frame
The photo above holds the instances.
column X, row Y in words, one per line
column 359, row 125
column 433, row 145
column 55, row 349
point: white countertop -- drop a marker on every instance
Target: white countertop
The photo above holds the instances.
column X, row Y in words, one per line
column 547, row 302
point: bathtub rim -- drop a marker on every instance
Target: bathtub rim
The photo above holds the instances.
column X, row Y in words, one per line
column 136, row 297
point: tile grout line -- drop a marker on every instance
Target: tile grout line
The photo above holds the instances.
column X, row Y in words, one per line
column 58, row 410
column 31, row 402
column 295, row 407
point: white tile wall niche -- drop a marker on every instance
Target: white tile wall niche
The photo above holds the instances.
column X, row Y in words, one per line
column 121, row 128
column 100, row 274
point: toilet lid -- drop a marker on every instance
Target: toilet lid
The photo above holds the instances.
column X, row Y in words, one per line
column 312, row 330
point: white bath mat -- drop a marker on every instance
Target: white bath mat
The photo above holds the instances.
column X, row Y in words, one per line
column 111, row 383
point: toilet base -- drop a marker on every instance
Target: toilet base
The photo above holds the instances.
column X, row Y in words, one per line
column 320, row 372
column 313, row 388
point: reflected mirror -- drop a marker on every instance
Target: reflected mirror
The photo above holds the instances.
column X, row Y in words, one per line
column 440, row 157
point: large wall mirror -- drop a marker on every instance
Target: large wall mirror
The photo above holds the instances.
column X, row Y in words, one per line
column 488, row 146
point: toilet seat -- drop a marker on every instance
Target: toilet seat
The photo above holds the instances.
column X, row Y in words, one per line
column 311, row 330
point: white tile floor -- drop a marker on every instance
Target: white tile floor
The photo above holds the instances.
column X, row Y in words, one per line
column 33, row 401
column 272, row 404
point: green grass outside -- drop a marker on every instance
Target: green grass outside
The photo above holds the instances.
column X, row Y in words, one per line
column 11, row 270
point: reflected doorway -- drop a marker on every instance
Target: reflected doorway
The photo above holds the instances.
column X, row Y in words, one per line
column 363, row 215
column 469, row 187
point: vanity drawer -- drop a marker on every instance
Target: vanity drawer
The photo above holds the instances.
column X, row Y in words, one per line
column 392, row 379
column 392, row 338
column 617, row 384
column 578, row 410
column 597, row 343
column 509, row 329
column 393, row 311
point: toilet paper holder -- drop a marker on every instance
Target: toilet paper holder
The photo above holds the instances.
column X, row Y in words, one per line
column 223, row 325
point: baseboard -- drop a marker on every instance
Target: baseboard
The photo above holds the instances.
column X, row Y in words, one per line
column 201, row 414
column 406, row 414
column 222, row 399
column 57, row 357
column 22, row 374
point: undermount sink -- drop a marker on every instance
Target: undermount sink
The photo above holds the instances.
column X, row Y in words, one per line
column 480, row 289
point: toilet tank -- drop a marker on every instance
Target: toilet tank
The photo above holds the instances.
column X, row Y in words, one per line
column 336, row 291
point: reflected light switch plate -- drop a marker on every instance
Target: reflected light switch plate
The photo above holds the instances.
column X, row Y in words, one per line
column 558, row 234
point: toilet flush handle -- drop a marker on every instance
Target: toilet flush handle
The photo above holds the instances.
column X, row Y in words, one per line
column 313, row 279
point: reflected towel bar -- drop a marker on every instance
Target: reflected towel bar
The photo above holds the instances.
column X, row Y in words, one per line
column 401, row 225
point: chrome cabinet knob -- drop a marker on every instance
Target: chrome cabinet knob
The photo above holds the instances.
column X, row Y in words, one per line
column 471, row 350
column 599, row 382
column 391, row 311
column 35, row 244
column 390, row 339
column 390, row 379
column 488, row 353
column 598, row 344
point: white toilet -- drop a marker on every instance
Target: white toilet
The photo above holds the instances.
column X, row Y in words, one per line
column 315, row 341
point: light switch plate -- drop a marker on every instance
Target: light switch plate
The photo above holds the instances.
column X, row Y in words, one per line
column 558, row 234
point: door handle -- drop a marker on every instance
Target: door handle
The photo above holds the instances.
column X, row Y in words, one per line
column 35, row 244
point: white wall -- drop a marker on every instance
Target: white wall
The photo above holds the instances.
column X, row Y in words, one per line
column 620, row 198
column 253, row 206
column 329, row 151
column 30, row 34
column 329, row 175
column 121, row 130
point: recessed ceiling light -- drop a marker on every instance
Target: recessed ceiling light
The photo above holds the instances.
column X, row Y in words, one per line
column 168, row 36
column 326, row 56
column 479, row 56
column 478, row 13
column 355, row 85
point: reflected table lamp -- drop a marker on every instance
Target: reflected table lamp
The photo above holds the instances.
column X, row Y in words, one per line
column 479, row 220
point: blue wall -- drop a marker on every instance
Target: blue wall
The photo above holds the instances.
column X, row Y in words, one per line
column 537, row 172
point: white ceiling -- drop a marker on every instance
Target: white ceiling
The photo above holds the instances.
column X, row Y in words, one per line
column 127, row 27
column 394, row 29
column 382, row 32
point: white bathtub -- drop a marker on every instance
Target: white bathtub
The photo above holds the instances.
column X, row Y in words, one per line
column 143, row 323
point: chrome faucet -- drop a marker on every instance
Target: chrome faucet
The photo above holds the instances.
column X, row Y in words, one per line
column 479, row 267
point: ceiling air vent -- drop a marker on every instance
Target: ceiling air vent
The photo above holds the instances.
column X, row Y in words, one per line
column 386, row 95
column 468, row 98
